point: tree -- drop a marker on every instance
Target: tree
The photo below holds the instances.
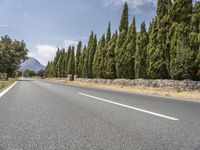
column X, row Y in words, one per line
column 50, row 69
column 110, row 70
column 119, row 51
column 128, row 56
column 169, row 49
column 91, row 52
column 158, row 48
column 141, row 53
column 12, row 53
column 29, row 73
column 195, row 36
column 182, row 55
column 81, row 64
column 124, row 19
column 104, row 51
column 78, row 57
column 97, row 63
column 71, row 63
column 41, row 73
column 67, row 57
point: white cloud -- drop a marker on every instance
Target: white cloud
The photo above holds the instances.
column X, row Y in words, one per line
column 68, row 43
column 6, row 25
column 134, row 4
column 44, row 53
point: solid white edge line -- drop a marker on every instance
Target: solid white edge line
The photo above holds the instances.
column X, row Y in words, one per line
column 7, row 89
column 130, row 107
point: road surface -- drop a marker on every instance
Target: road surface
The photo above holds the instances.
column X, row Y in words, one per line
column 37, row 114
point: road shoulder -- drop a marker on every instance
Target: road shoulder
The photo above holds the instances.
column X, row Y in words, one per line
column 184, row 95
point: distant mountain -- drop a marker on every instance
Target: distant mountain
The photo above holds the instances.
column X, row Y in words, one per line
column 31, row 64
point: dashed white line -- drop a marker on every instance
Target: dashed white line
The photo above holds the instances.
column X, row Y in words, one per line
column 6, row 90
column 130, row 107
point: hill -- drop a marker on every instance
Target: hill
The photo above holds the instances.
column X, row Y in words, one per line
column 31, row 64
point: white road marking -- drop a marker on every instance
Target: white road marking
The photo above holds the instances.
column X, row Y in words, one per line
column 6, row 90
column 130, row 107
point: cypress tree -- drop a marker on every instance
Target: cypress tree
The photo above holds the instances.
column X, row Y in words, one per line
column 91, row 53
column 89, row 57
column 141, row 53
column 71, row 63
column 123, row 29
column 97, row 62
column 65, row 64
column 128, row 56
column 198, row 61
column 158, row 48
column 195, row 36
column 62, row 69
column 110, row 70
column 105, row 51
column 78, row 56
column 124, row 19
column 182, row 58
column 82, row 61
column 58, row 66
column 67, row 57
column 47, row 69
column 56, row 61
column 108, row 33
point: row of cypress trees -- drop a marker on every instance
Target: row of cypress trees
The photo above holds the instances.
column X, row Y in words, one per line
column 168, row 50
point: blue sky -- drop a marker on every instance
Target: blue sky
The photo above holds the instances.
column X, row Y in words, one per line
column 45, row 24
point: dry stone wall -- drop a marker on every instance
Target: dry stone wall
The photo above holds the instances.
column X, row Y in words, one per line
column 184, row 84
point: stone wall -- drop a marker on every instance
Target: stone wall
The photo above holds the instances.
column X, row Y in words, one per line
column 3, row 76
column 184, row 84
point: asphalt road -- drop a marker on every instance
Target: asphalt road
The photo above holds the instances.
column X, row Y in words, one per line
column 36, row 115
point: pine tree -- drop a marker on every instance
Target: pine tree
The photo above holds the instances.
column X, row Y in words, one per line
column 97, row 62
column 141, row 53
column 123, row 29
column 110, row 70
column 158, row 48
column 182, row 56
column 71, row 63
column 78, row 56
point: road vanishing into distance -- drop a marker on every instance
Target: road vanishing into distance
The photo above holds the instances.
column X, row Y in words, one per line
column 40, row 115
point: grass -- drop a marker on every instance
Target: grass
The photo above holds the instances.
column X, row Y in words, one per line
column 4, row 84
column 169, row 92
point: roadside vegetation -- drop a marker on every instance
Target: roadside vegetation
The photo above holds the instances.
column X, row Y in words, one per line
column 29, row 73
column 12, row 54
column 168, row 49
column 4, row 84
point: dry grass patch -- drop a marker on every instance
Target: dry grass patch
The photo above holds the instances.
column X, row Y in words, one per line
column 4, row 84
